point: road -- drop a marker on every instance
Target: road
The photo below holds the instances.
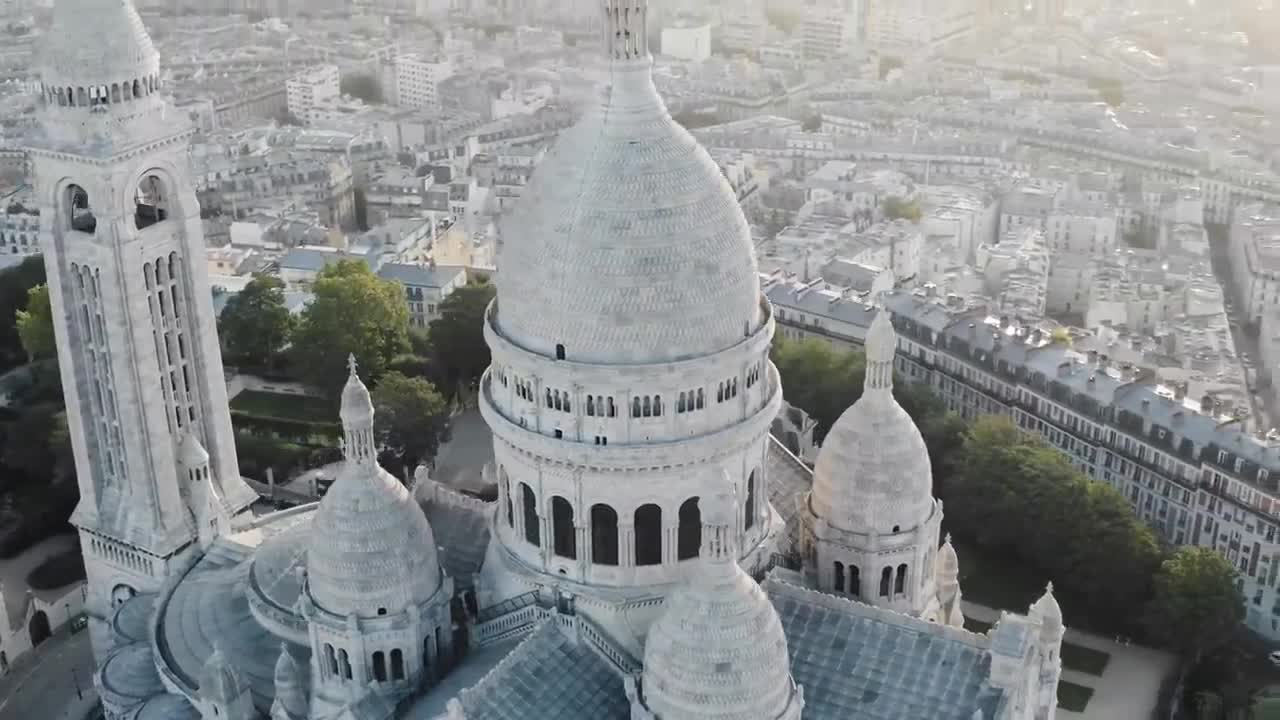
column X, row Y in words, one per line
column 52, row 682
column 1263, row 408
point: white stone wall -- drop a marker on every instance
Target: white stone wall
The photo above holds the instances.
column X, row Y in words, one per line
column 661, row 460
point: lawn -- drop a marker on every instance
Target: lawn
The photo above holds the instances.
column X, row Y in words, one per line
column 285, row 407
column 1074, row 657
column 1073, row 697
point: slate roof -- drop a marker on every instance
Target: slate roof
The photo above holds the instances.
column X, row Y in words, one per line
column 210, row 605
column 421, row 275
column 788, row 480
column 462, row 536
column 857, row 662
column 549, row 676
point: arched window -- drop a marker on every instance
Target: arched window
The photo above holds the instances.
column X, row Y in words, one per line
column 648, row 406
column 720, row 392
column 701, row 399
column 331, row 659
column 558, row 404
column 559, row 352
column 689, row 536
column 549, row 398
column 680, row 403
column 735, row 388
column 530, row 515
column 838, row 577
column 855, row 581
column 79, row 215
column 604, row 535
column 886, row 577
column 506, row 492
column 900, row 583
column 591, row 406
column 344, row 663
column 613, row 411
column 635, row 407
column 82, row 99
column 648, row 519
column 657, row 406
column 150, row 202
column 379, row 666
column 562, row 530
column 397, row 664
column 137, row 89
column 426, row 654
column 749, row 508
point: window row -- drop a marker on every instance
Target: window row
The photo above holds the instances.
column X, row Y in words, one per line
column 558, row 400
column 727, row 390
column 646, row 406
column 849, row 580
column 690, row 401
column 753, row 375
column 602, row 530
column 94, row 95
column 601, row 406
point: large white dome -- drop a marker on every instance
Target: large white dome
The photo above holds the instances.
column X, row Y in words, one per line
column 73, row 52
column 628, row 245
column 873, row 472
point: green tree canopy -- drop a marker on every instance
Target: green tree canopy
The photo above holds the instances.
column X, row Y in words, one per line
column 412, row 419
column 255, row 325
column 459, row 355
column 895, row 208
column 15, row 282
column 35, row 325
column 353, row 312
column 1196, row 605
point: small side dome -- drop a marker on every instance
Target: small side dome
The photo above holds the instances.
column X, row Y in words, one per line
column 191, row 453
column 718, row 649
column 873, row 472
column 219, row 681
column 372, row 551
column 357, row 405
column 291, row 694
column 948, row 561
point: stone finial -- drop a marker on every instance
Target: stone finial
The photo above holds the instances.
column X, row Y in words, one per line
column 881, row 344
column 625, row 26
column 352, row 365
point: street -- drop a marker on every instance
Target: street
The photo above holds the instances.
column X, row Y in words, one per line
column 52, row 682
column 1264, row 412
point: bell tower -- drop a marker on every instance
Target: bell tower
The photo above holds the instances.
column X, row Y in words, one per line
column 137, row 342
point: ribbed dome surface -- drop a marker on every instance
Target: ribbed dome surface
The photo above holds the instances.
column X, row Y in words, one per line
column 717, row 651
column 873, row 471
column 95, row 42
column 628, row 245
column 371, row 546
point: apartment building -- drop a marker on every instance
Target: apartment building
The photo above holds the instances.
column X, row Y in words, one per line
column 312, row 89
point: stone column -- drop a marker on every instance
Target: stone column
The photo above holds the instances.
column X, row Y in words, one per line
column 626, row 545
column 583, row 540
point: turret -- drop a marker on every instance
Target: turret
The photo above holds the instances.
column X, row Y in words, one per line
column 357, row 419
column 206, row 505
column 947, row 572
column 223, row 694
column 1049, row 615
column 291, row 701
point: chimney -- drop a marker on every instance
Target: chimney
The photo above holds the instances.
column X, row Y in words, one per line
column 1179, row 391
column 1146, row 404
column 1206, row 404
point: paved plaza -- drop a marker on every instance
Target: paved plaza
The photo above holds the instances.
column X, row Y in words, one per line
column 52, row 682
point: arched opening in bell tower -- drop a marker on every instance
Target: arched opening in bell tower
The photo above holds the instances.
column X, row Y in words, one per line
column 150, row 202
column 79, row 215
column 689, row 535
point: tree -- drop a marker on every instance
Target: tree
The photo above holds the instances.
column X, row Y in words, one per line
column 459, row 354
column 362, row 87
column 35, row 325
column 353, row 312
column 15, row 283
column 895, row 208
column 1196, row 606
column 255, row 325
column 411, row 420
